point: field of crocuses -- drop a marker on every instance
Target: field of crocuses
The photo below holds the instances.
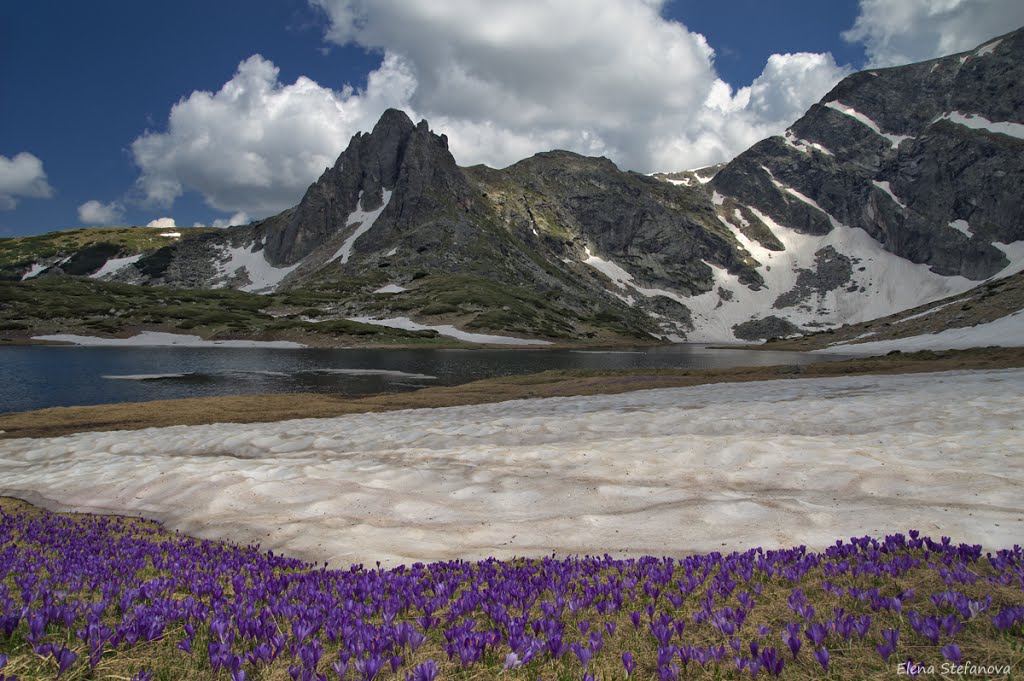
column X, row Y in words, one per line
column 86, row 597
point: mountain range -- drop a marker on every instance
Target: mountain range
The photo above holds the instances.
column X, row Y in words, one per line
column 900, row 187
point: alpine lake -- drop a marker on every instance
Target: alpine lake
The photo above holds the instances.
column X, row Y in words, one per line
column 36, row 377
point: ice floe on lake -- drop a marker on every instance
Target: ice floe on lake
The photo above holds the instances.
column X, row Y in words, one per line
column 777, row 463
column 164, row 339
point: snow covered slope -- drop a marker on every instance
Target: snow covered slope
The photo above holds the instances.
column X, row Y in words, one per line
column 661, row 472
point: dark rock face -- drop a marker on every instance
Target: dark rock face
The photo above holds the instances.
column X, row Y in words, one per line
column 832, row 271
column 908, row 171
column 659, row 232
column 398, row 156
column 765, row 328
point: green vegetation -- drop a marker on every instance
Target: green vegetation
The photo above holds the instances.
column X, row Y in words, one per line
column 89, row 307
column 484, row 304
column 21, row 251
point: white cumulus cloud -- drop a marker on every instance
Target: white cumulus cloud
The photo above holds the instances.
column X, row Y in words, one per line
column 239, row 218
column 163, row 223
column 256, row 144
column 22, row 177
column 502, row 80
column 902, row 31
column 618, row 79
column 96, row 213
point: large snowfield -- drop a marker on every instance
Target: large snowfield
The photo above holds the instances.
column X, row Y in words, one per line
column 664, row 472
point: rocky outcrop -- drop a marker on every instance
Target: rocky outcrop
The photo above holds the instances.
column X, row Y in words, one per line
column 397, row 156
column 904, row 153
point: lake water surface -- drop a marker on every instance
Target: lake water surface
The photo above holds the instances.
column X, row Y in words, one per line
column 35, row 377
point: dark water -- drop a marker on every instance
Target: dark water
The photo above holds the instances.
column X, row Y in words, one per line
column 49, row 376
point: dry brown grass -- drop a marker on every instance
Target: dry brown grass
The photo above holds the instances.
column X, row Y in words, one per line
column 562, row 383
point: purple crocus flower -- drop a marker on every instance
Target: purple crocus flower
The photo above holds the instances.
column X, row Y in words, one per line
column 628, row 663
column 861, row 625
column 791, row 637
column 668, row 673
column 415, row 640
column 951, row 652
column 583, row 653
column 371, row 666
column 772, row 661
column 65, row 658
column 822, row 656
column 340, row 667
column 427, row 671
column 816, row 633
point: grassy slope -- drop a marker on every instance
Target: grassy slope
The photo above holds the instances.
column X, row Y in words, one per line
column 96, row 308
column 28, row 249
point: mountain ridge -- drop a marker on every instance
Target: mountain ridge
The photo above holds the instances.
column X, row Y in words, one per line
column 899, row 187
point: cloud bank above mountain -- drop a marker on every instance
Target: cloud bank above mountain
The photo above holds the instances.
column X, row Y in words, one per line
column 22, row 176
column 903, row 31
column 504, row 82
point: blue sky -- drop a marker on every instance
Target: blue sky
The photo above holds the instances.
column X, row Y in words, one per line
column 124, row 112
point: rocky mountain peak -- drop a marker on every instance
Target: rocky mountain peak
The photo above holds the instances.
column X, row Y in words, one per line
column 925, row 158
column 397, row 156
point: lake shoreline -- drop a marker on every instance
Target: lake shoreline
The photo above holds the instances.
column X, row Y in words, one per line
column 265, row 408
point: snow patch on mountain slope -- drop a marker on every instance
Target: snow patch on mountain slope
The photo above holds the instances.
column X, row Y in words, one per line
column 1015, row 254
column 365, row 220
column 963, row 227
column 448, row 330
column 1006, row 331
column 802, row 145
column 34, row 271
column 987, row 48
column 263, row 277
column 115, row 265
column 894, row 140
column 976, row 122
column 885, row 187
column 881, row 283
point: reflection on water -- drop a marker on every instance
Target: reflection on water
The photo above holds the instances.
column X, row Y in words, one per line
column 48, row 376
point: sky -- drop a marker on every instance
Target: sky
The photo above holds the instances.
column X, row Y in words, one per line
column 119, row 112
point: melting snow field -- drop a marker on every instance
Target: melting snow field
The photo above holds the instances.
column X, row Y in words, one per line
column 1006, row 331
column 657, row 472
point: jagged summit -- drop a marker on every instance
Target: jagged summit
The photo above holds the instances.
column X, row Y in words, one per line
column 396, row 156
